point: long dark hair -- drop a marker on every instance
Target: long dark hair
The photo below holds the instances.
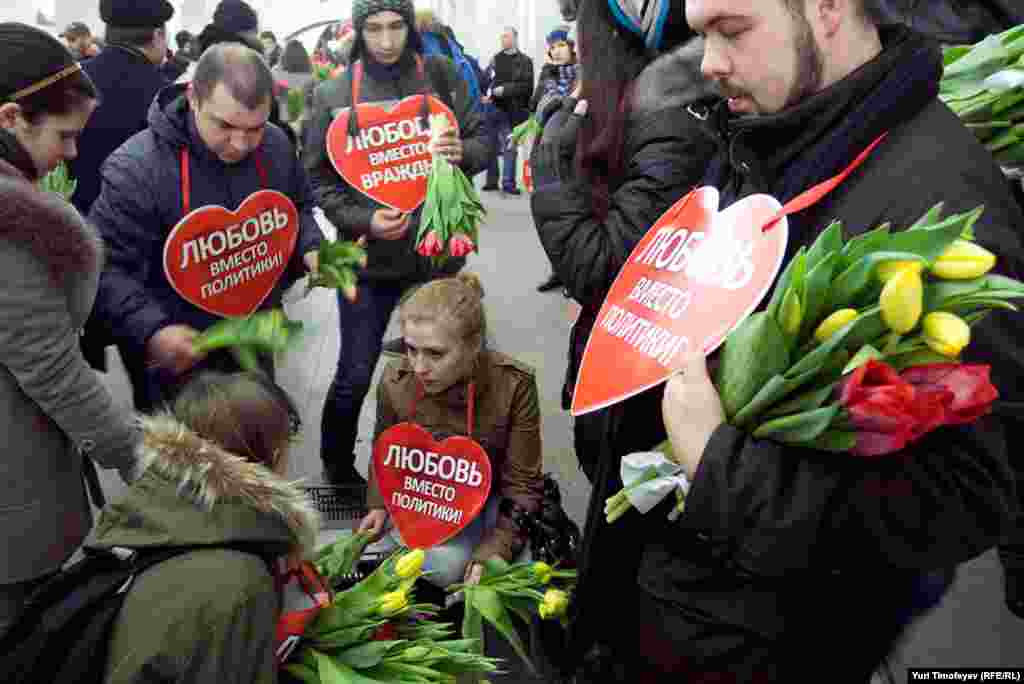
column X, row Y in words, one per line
column 609, row 62
column 295, row 59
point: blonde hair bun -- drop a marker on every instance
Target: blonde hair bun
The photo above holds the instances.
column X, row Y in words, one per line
column 472, row 281
column 457, row 300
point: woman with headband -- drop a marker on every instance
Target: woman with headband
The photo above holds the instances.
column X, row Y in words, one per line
column 55, row 414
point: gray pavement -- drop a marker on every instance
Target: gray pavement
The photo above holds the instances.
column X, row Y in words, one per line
column 972, row 627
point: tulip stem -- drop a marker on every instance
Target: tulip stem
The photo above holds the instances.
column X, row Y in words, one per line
column 890, row 346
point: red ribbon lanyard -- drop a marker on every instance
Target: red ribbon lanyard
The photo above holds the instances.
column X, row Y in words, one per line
column 814, row 195
column 186, row 179
column 357, row 77
column 470, row 405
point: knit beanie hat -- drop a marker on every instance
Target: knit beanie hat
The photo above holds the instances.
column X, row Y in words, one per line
column 235, row 16
column 559, row 35
column 363, row 9
column 659, row 24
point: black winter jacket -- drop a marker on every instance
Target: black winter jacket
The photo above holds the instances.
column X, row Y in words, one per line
column 141, row 203
column 127, row 82
column 954, row 22
column 352, row 211
column 514, row 74
column 773, row 535
column 666, row 151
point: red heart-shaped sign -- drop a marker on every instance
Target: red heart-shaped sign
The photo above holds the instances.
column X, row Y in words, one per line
column 691, row 279
column 228, row 262
column 388, row 161
column 432, row 491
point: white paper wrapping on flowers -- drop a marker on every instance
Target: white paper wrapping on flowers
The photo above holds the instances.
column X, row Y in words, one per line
column 646, row 495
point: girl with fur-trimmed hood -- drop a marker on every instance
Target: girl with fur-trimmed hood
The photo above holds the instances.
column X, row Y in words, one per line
column 56, row 416
column 210, row 475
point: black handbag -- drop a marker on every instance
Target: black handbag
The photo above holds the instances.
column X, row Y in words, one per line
column 553, row 536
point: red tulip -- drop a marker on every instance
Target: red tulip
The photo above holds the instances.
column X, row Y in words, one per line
column 386, row 632
column 880, row 406
column 970, row 391
column 460, row 245
column 890, row 410
column 431, row 245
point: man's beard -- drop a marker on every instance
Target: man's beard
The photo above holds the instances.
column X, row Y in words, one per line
column 810, row 66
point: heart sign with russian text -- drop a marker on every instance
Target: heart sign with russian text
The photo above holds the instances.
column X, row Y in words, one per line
column 691, row 279
column 389, row 159
column 432, row 490
column 228, row 262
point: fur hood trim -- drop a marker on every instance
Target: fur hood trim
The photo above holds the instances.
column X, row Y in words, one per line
column 206, row 474
column 48, row 226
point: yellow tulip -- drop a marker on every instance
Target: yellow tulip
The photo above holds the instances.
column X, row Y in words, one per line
column 411, row 564
column 542, row 571
column 791, row 315
column 834, row 323
column 902, row 301
column 392, row 603
column 555, row 604
column 887, row 270
column 946, row 333
column 963, row 260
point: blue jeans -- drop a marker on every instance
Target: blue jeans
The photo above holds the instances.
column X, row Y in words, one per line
column 501, row 128
column 363, row 324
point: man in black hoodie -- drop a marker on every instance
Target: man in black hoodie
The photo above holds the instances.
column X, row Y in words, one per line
column 788, row 561
column 387, row 57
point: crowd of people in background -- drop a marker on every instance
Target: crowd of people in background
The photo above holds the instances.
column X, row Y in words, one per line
column 638, row 104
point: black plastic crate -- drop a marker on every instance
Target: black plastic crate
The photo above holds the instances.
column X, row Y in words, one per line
column 340, row 506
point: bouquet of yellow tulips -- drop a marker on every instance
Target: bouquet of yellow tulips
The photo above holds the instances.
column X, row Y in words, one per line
column 858, row 350
column 523, row 589
column 376, row 632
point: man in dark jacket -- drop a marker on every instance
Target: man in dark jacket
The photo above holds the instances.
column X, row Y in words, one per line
column 785, row 561
column 127, row 74
column 511, row 88
column 207, row 145
column 128, row 77
column 392, row 68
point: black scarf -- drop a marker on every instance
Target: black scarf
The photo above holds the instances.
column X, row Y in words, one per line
column 12, row 152
column 386, row 72
column 389, row 72
column 786, row 153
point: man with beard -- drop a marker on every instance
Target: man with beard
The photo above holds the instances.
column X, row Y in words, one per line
column 786, row 560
